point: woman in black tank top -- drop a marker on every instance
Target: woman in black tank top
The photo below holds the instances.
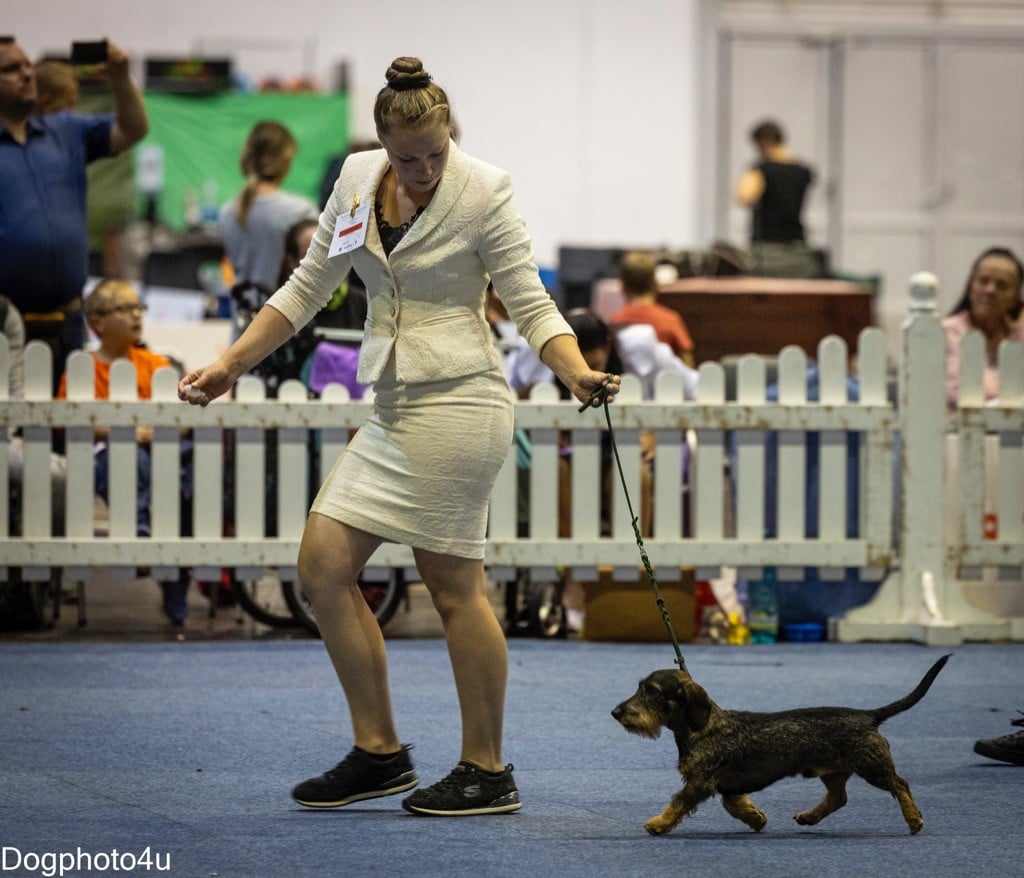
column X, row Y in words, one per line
column 774, row 189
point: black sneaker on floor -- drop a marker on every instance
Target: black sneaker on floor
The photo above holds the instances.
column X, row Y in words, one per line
column 1008, row 748
column 466, row 791
column 358, row 776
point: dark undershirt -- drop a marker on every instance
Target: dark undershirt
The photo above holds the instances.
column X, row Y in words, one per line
column 390, row 235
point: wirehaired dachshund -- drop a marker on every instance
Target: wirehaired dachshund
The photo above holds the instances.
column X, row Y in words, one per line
column 735, row 752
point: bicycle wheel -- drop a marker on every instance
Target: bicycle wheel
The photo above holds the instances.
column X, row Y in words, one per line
column 264, row 599
column 28, row 606
column 382, row 598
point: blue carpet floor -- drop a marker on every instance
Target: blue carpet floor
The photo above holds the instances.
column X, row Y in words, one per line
column 188, row 751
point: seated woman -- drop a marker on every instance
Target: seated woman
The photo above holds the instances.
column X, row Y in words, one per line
column 347, row 307
column 991, row 303
column 306, row 356
column 632, row 349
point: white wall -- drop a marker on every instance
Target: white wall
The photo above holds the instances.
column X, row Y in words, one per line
column 591, row 105
column 911, row 113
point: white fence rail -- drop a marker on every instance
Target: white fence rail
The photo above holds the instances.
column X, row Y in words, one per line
column 705, row 480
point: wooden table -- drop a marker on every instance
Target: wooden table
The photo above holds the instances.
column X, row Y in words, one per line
column 744, row 315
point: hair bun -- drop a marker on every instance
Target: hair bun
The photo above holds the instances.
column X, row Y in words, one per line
column 405, row 74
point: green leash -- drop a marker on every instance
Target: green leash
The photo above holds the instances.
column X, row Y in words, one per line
column 600, row 394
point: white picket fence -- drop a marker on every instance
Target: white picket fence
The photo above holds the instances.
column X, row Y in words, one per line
column 920, row 597
column 949, row 486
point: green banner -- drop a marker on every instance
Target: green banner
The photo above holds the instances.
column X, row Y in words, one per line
column 201, row 138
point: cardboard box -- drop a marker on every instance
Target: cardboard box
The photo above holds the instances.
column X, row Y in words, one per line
column 628, row 611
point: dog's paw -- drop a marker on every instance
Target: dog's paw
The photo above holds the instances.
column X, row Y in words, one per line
column 658, row 825
column 758, row 821
column 915, row 826
column 807, row 818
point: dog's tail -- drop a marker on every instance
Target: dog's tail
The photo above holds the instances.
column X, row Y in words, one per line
column 908, row 701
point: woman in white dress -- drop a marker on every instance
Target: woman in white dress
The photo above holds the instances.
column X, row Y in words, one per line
column 428, row 227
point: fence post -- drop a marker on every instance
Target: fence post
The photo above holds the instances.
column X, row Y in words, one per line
column 987, row 472
column 5, row 480
column 911, row 602
column 36, row 505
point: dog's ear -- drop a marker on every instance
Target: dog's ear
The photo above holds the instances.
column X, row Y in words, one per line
column 698, row 706
column 677, row 699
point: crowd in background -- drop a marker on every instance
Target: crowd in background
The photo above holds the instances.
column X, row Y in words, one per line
column 265, row 230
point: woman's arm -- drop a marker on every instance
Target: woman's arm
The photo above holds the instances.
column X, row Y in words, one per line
column 750, row 187
column 268, row 331
column 507, row 256
column 562, row 355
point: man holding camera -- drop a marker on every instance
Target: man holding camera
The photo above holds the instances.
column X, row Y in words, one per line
column 44, row 240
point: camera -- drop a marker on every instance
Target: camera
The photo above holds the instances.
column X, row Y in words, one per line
column 83, row 52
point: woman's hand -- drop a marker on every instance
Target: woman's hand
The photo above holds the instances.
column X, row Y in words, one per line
column 202, row 386
column 562, row 356
column 588, row 382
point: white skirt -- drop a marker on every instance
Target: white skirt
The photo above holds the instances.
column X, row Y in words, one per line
column 420, row 471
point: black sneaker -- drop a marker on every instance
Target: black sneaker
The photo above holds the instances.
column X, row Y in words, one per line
column 466, row 791
column 1008, row 748
column 358, row 776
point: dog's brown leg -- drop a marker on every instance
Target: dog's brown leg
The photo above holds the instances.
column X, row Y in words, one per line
column 835, row 798
column 880, row 772
column 900, row 790
column 683, row 804
column 911, row 813
column 742, row 808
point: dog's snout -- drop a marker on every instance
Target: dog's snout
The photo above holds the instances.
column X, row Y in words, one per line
column 617, row 712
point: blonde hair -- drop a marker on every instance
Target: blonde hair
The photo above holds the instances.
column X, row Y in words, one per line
column 266, row 157
column 56, row 86
column 410, row 99
column 102, row 295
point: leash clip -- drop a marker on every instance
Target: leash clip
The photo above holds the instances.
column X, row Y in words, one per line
column 599, row 393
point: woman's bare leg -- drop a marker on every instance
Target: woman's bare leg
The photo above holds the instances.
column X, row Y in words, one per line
column 477, row 648
column 331, row 557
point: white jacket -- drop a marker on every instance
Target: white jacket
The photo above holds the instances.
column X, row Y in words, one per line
column 426, row 303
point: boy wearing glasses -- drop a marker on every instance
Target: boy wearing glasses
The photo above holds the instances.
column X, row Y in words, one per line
column 114, row 314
